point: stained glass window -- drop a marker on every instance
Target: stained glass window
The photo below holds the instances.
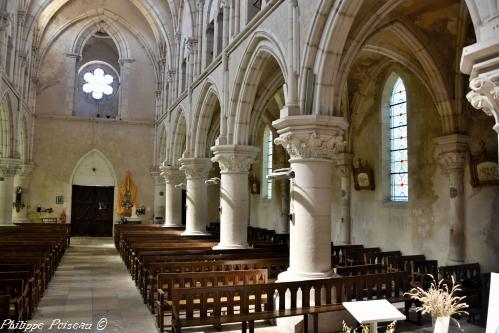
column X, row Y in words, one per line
column 98, row 83
column 399, row 168
column 267, row 162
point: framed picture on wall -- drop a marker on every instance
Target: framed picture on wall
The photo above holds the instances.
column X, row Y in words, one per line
column 484, row 168
column 59, row 200
column 363, row 176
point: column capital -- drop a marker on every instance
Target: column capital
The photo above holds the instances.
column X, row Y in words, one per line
column 311, row 136
column 343, row 163
column 172, row 175
column 452, row 151
column 484, row 94
column 25, row 170
column 196, row 168
column 9, row 167
column 156, row 177
column 234, row 158
column 125, row 61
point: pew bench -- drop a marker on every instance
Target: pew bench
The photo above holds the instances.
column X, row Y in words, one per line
column 169, row 281
column 248, row 303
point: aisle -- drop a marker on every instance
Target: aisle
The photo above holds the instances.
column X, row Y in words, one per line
column 90, row 284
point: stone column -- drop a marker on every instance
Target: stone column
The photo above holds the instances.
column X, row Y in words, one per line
column 452, row 151
column 234, row 162
column 225, row 32
column 196, row 172
column 8, row 169
column 311, row 142
column 343, row 164
column 22, row 180
column 159, row 187
column 173, row 196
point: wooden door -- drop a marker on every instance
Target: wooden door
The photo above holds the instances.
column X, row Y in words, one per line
column 92, row 211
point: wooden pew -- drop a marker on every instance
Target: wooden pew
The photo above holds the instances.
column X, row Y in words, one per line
column 168, row 281
column 245, row 304
column 380, row 257
column 4, row 307
column 356, row 256
column 338, row 251
column 274, row 266
column 28, row 285
column 18, row 294
column 360, row 269
column 470, row 279
column 420, row 278
column 403, row 263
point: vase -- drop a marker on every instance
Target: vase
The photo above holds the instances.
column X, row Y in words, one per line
column 441, row 324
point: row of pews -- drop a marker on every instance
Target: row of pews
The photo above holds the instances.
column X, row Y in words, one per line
column 186, row 283
column 31, row 253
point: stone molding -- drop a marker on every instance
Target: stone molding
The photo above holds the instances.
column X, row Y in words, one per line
column 452, row 151
column 25, row 171
column 172, row 175
column 311, row 137
column 9, row 167
column 195, row 168
column 234, row 158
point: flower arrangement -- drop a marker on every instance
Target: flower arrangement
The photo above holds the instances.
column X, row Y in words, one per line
column 438, row 300
column 365, row 328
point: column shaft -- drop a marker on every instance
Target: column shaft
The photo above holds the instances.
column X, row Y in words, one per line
column 173, row 196
column 234, row 161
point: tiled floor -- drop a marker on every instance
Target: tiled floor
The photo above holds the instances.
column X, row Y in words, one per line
column 93, row 286
column 92, row 283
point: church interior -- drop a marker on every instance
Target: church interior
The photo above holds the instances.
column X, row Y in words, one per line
column 235, row 165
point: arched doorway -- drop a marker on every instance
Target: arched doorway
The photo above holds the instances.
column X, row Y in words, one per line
column 93, row 195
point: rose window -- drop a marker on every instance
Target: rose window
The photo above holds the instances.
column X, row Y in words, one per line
column 98, row 84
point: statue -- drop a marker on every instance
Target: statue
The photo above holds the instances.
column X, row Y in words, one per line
column 127, row 196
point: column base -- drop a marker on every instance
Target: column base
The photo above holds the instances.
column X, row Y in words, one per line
column 221, row 246
column 289, row 276
column 195, row 233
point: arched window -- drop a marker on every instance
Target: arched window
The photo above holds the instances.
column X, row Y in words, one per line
column 267, row 163
column 399, row 166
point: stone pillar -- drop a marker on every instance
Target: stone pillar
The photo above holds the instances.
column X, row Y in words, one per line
column 173, row 196
column 311, row 142
column 8, row 169
column 159, row 187
column 452, row 151
column 344, row 166
column 196, row 172
column 22, row 180
column 234, row 162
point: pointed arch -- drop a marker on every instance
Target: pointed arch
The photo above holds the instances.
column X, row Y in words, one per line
column 207, row 107
column 179, row 140
column 104, row 177
column 261, row 48
column 6, row 126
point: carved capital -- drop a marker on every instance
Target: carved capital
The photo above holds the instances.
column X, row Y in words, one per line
column 234, row 158
column 452, row 151
column 172, row 175
column 484, row 94
column 195, row 168
column 343, row 163
column 156, row 177
column 311, row 137
column 9, row 167
column 25, row 171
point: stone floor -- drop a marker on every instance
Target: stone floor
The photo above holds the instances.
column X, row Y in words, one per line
column 93, row 286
